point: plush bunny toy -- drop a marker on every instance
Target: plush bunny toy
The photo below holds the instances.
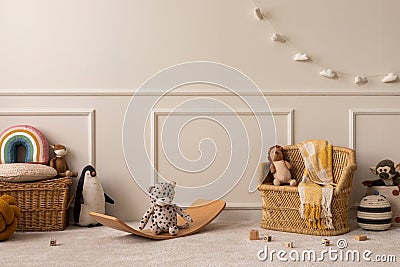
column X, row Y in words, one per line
column 162, row 213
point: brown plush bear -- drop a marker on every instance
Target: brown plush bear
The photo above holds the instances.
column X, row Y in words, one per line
column 59, row 163
column 280, row 168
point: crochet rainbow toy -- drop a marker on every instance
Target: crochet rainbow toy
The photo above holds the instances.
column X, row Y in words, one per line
column 35, row 143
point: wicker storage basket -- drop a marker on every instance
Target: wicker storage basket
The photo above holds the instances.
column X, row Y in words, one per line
column 44, row 204
column 280, row 204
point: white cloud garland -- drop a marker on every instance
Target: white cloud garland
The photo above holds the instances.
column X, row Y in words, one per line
column 303, row 57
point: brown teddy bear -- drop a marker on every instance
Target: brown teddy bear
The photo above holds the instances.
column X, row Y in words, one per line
column 59, row 163
column 280, row 168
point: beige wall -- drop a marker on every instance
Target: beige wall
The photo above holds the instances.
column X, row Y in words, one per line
column 73, row 65
column 118, row 44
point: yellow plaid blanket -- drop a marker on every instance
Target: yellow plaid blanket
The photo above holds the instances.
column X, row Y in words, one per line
column 316, row 188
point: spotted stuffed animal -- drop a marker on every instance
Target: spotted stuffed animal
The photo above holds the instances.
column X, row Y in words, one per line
column 162, row 213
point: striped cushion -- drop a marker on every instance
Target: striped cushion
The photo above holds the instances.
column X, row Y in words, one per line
column 374, row 213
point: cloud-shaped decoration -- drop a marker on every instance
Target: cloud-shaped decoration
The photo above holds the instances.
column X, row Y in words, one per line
column 360, row 80
column 276, row 37
column 328, row 73
column 389, row 78
column 301, row 57
column 258, row 13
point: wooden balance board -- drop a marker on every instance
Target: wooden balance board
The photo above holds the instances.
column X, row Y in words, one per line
column 202, row 212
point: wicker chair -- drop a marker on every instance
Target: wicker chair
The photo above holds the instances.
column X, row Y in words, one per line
column 280, row 204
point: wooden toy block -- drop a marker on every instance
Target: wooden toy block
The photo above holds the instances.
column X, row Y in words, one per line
column 267, row 238
column 360, row 237
column 289, row 244
column 53, row 242
column 254, row 235
column 326, row 242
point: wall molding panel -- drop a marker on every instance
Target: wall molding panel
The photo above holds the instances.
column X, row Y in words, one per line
column 88, row 113
column 104, row 110
column 354, row 113
column 130, row 92
column 287, row 113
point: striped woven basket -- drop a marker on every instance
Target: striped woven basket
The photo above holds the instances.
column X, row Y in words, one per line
column 374, row 213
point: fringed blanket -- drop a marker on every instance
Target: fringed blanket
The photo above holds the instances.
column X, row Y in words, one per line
column 316, row 188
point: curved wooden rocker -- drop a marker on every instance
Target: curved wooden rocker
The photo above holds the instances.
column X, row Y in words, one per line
column 202, row 212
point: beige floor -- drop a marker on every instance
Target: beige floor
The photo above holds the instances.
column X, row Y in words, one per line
column 221, row 243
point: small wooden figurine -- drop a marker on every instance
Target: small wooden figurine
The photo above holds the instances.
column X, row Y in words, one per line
column 59, row 163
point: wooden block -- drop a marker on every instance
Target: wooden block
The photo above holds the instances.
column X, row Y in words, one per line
column 326, row 242
column 360, row 237
column 254, row 235
column 53, row 242
column 267, row 238
column 289, row 244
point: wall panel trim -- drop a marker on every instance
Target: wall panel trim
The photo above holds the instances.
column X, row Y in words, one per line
column 153, row 140
column 130, row 92
column 353, row 113
column 89, row 113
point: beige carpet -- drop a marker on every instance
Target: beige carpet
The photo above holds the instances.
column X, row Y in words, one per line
column 219, row 244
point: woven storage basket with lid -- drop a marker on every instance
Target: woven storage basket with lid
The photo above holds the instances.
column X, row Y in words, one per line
column 374, row 213
column 44, row 204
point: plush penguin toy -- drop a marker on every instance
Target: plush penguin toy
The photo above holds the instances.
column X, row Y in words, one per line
column 89, row 197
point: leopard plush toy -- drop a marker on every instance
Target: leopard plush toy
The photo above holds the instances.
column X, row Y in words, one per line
column 162, row 213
